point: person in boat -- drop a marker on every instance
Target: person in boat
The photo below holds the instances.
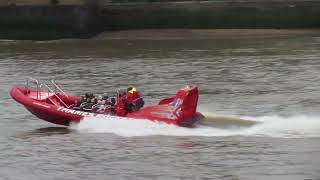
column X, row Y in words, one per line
column 81, row 102
column 134, row 100
column 90, row 101
column 78, row 103
column 112, row 102
column 129, row 101
column 98, row 104
column 109, row 105
column 120, row 106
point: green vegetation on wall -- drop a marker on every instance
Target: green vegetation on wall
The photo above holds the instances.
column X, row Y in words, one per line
column 228, row 15
column 52, row 22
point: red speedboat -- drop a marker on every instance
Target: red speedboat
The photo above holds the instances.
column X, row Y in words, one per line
column 51, row 104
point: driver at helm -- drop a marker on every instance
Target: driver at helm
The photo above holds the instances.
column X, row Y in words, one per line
column 134, row 99
column 129, row 101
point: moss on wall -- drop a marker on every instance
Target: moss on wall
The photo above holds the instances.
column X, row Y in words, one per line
column 214, row 15
column 52, row 22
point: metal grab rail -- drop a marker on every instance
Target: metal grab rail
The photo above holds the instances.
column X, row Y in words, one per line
column 57, row 87
column 39, row 87
column 65, row 105
column 36, row 82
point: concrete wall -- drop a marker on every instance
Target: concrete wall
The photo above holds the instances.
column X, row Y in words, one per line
column 52, row 22
column 47, row 22
column 66, row 16
column 214, row 14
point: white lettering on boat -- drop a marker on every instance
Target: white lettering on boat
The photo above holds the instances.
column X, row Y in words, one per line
column 42, row 105
column 168, row 115
column 80, row 113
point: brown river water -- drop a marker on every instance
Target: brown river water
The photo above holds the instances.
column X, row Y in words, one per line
column 274, row 81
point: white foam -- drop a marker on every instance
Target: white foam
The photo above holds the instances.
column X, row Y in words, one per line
column 291, row 126
column 273, row 126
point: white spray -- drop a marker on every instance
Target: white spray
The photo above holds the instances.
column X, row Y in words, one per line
column 272, row 126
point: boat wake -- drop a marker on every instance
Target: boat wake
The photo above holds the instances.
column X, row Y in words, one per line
column 271, row 126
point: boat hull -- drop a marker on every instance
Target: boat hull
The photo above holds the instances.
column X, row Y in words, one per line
column 65, row 116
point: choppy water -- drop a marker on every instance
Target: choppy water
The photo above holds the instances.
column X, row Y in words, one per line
column 273, row 81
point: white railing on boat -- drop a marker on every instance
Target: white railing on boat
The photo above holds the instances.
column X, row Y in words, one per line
column 57, row 87
column 45, row 84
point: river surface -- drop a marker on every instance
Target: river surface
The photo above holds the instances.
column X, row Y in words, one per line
column 274, row 81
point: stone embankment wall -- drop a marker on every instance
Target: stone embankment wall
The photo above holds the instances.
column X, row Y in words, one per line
column 214, row 14
column 69, row 21
column 46, row 22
